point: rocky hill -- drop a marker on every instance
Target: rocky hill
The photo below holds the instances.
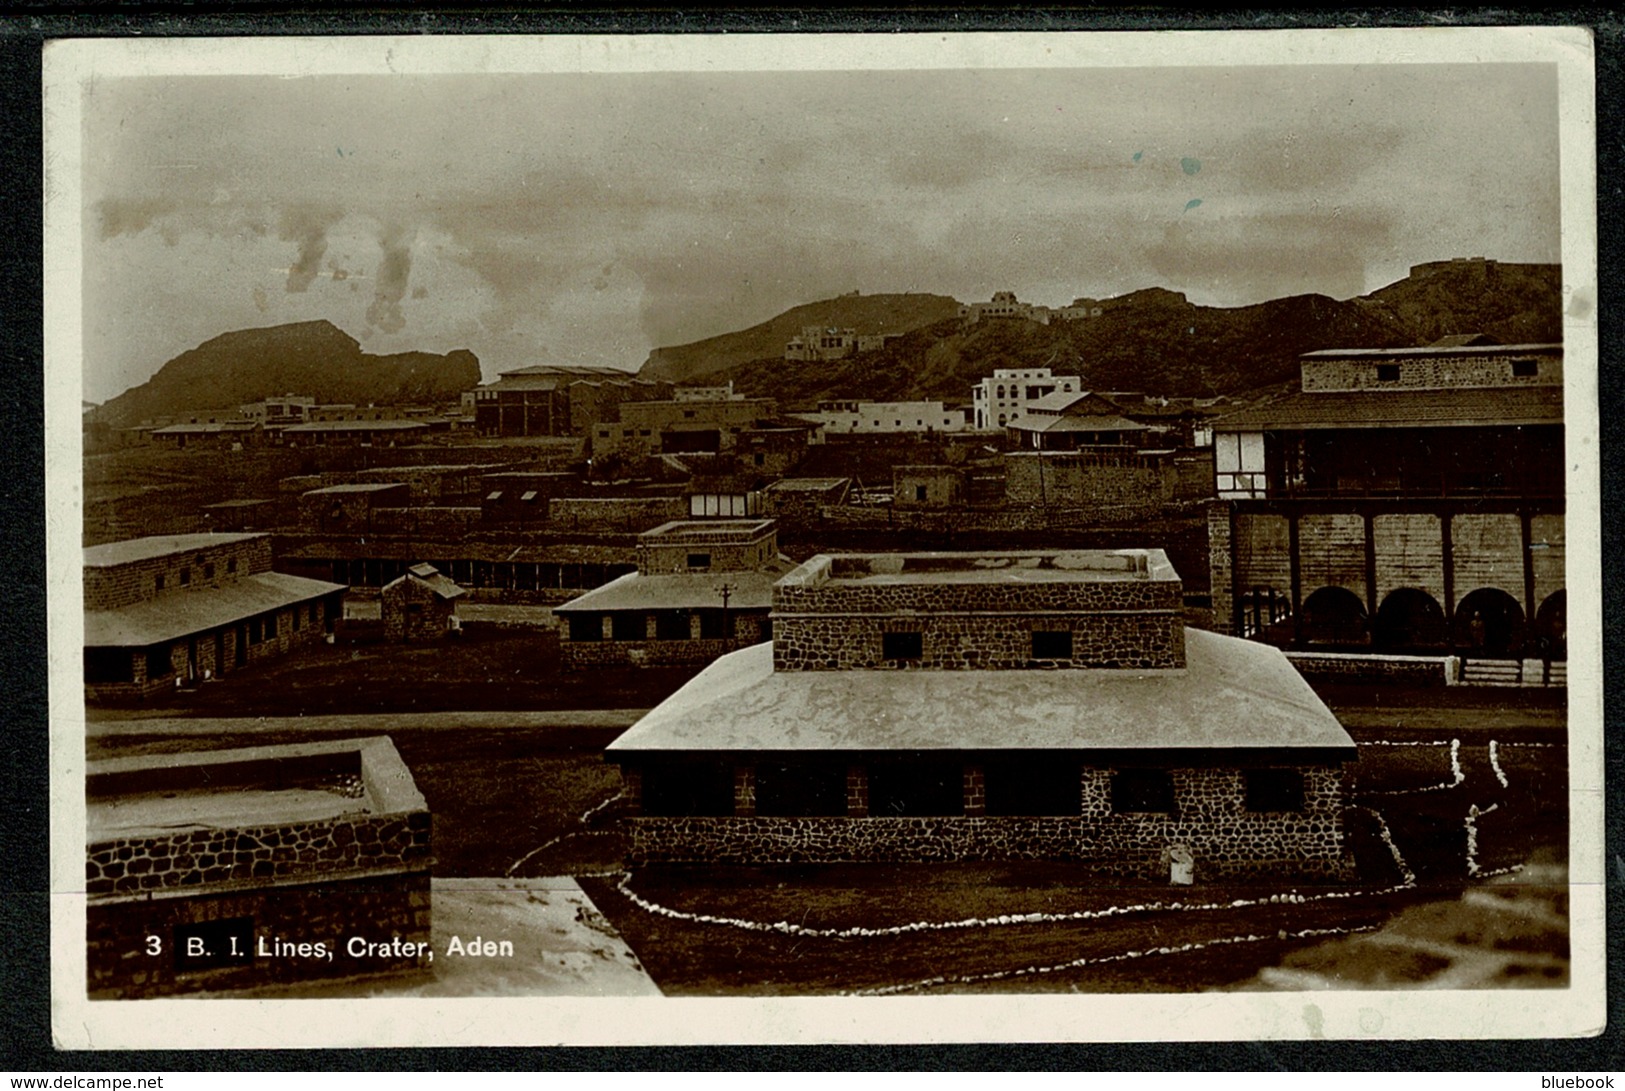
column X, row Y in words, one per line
column 315, row 358
column 1155, row 340
column 895, row 313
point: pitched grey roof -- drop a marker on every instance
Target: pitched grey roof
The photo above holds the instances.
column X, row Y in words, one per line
column 1458, row 408
column 679, row 591
column 182, row 613
column 160, row 545
column 1233, row 694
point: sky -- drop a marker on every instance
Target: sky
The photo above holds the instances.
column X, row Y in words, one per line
column 587, row 218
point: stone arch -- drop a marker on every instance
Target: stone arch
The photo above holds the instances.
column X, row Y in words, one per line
column 1334, row 615
column 1489, row 622
column 1409, row 618
column 1551, row 625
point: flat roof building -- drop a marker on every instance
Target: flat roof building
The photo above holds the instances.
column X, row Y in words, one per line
column 973, row 706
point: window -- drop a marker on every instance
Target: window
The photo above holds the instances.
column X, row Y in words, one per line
column 909, row 645
column 493, row 497
column 1525, row 369
column 916, row 788
column 688, row 414
column 1143, row 791
column 186, row 576
column 208, row 571
column 671, row 625
column 1274, row 790
column 108, row 665
column 683, row 789
column 158, row 582
column 231, row 565
column 919, row 492
column 296, row 619
column 1032, row 786
column 699, row 560
column 800, row 791
column 711, row 625
column 760, row 459
column 159, row 662
column 586, row 628
column 628, row 626
column 1052, row 644
column 1387, row 373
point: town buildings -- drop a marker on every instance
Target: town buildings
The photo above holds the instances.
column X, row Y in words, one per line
column 645, row 428
column 1004, row 396
column 926, row 707
column 1003, row 305
column 230, row 869
column 1404, row 500
column 557, row 400
column 175, row 609
column 701, row 589
column 862, row 418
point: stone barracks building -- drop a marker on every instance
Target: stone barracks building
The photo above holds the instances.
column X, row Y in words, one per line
column 988, row 706
column 183, row 607
column 701, row 589
column 230, row 869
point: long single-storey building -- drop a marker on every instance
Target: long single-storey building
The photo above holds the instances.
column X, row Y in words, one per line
column 183, row 607
column 977, row 706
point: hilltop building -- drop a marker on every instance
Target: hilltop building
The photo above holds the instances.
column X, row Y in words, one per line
column 828, row 343
column 1004, row 396
column 701, row 589
column 976, row 706
column 1003, row 305
column 181, row 608
column 1406, row 500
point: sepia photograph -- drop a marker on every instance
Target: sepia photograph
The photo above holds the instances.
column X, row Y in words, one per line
column 824, row 538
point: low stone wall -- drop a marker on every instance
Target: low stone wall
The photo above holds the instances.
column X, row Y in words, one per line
column 425, row 521
column 628, row 515
column 989, row 520
column 587, row 654
column 1411, row 670
column 1124, row 845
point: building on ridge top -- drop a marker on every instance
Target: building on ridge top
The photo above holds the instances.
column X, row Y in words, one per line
column 992, row 706
column 701, row 589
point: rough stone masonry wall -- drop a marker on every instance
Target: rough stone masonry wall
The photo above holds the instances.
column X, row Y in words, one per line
column 629, row 515
column 877, row 596
column 1432, row 372
column 428, row 522
column 375, row 907
column 725, row 556
column 112, row 586
column 969, row 642
column 1211, row 821
column 201, row 858
column 1066, row 481
column 1220, row 567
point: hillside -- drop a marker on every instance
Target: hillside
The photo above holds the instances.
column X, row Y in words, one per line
column 1157, row 341
column 894, row 313
column 315, row 358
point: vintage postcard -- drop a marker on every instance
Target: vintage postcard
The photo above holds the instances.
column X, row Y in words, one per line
column 805, row 539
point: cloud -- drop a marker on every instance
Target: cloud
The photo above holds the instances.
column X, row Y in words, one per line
column 393, row 272
column 307, row 225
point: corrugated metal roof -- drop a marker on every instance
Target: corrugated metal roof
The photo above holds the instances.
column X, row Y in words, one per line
column 160, row 545
column 182, row 613
column 1076, row 424
column 679, row 591
column 1457, row 408
column 1232, row 694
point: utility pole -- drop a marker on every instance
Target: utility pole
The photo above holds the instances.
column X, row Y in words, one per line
column 725, row 591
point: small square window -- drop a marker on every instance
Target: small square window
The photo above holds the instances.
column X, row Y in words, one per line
column 186, row 576
column 1274, row 790
column 1387, row 373
column 1525, row 369
column 699, row 560
column 1052, row 644
column 919, row 492
column 158, row 582
column 231, row 565
column 910, row 645
column 208, row 571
